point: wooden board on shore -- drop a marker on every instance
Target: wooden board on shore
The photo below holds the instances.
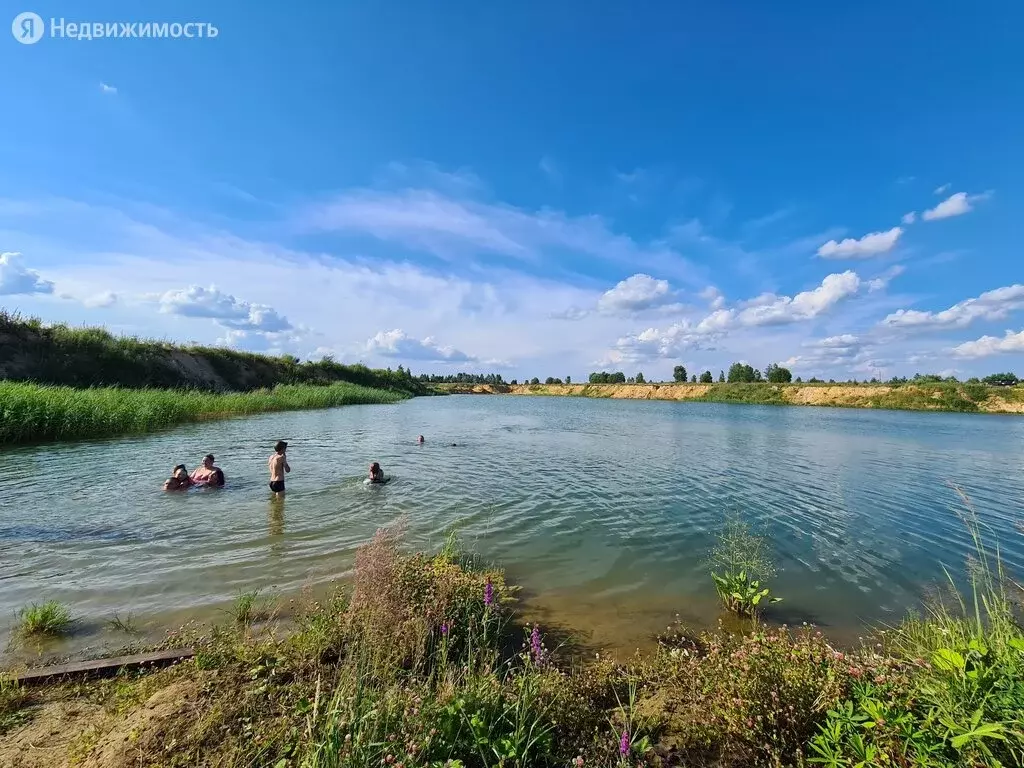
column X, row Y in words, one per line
column 102, row 667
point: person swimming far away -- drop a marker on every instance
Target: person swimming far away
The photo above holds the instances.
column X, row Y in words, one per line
column 421, row 440
column 207, row 474
column 377, row 474
column 278, row 465
column 179, row 479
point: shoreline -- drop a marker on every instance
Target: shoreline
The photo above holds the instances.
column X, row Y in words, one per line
column 939, row 397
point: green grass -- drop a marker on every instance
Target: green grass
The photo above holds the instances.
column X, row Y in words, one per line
column 248, row 608
column 50, row 619
column 126, row 624
column 756, row 394
column 32, row 412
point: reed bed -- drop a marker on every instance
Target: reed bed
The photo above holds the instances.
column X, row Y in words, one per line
column 35, row 413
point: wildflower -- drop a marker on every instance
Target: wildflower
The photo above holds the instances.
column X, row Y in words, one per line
column 444, row 629
column 535, row 646
column 488, row 594
column 578, row 762
column 624, row 744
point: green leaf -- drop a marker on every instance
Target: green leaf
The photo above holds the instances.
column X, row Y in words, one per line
column 948, row 660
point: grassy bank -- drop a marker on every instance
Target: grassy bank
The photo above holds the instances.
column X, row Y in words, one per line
column 426, row 662
column 89, row 357
column 939, row 396
column 32, row 412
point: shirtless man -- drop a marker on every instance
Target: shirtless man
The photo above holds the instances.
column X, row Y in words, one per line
column 278, row 464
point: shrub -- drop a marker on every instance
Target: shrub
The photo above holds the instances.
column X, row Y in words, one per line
column 51, row 618
column 740, row 561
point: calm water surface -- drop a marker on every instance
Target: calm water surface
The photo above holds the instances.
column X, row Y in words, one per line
column 605, row 510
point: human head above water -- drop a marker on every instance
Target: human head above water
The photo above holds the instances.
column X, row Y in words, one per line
column 421, row 438
column 375, row 467
column 181, row 468
column 280, row 446
column 208, row 460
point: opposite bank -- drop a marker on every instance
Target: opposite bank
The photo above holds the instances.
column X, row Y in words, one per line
column 941, row 396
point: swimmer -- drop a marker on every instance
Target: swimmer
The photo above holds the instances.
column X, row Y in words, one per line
column 207, row 473
column 421, row 440
column 376, row 473
column 179, row 479
column 278, row 464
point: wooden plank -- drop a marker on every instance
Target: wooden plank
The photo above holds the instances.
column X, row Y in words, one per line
column 102, row 667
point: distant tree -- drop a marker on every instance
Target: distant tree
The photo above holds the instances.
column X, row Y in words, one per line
column 973, row 380
column 679, row 373
column 742, row 374
column 535, row 380
column 603, row 377
column 514, row 382
column 631, row 380
column 776, row 374
column 693, row 379
column 721, row 377
column 706, row 377
column 814, row 380
column 549, row 380
column 831, row 381
column 1001, row 380
column 798, row 380
column 640, row 378
column 568, row 379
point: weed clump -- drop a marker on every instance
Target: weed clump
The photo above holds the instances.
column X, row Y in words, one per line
column 51, row 619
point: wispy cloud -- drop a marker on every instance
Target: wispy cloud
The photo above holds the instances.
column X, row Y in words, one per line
column 941, row 190
column 104, row 88
column 955, row 205
column 909, row 218
column 550, row 169
column 869, row 246
column 991, row 305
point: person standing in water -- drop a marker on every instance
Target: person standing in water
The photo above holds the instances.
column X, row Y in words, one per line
column 376, row 473
column 278, row 464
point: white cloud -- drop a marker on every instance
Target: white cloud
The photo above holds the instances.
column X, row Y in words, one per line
column 886, row 277
column 909, row 218
column 955, row 205
column 17, row 279
column 713, row 296
column 196, row 301
column 108, row 89
column 987, row 346
column 634, row 294
column 101, row 300
column 991, row 305
column 459, row 229
column 765, row 310
column 942, row 189
column 397, row 344
column 870, row 245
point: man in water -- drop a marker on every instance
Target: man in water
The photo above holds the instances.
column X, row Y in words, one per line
column 179, row 479
column 207, row 474
column 278, row 464
column 420, row 440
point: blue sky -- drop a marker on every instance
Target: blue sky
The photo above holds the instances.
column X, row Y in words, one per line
column 536, row 188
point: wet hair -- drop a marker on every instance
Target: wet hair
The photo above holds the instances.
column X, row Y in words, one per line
column 280, row 446
column 375, row 467
column 180, row 466
column 209, row 456
column 218, row 477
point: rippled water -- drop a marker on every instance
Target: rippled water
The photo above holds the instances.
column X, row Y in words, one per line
column 604, row 510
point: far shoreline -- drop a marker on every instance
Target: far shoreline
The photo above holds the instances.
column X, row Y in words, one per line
column 934, row 397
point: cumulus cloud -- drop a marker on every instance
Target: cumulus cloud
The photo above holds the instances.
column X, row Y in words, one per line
column 225, row 309
column 634, row 294
column 765, row 310
column 874, row 244
column 954, row 205
column 16, row 278
column 991, row 305
column 713, row 296
column 987, row 346
column 909, row 218
column 397, row 344
column 104, row 88
column 101, row 300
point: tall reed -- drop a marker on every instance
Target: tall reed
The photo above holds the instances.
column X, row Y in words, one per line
column 32, row 412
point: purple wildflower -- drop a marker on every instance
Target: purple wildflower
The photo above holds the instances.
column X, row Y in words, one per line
column 444, row 629
column 624, row 744
column 535, row 646
column 488, row 594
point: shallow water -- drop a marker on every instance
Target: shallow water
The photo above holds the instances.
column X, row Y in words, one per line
column 605, row 510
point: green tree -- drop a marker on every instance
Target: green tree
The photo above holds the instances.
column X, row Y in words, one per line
column 640, row 379
column 549, row 380
column 721, row 377
column 568, row 379
column 739, row 373
column 1001, row 380
column 535, row 380
column 679, row 373
column 706, row 378
column 693, row 379
column 776, row 374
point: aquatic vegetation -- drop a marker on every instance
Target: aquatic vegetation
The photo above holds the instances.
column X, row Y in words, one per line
column 740, row 560
column 51, row 618
column 126, row 624
column 32, row 412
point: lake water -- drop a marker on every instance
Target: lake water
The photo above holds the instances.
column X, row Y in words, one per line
column 605, row 510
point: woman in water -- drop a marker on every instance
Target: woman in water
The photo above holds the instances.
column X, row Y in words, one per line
column 179, row 479
column 376, row 473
